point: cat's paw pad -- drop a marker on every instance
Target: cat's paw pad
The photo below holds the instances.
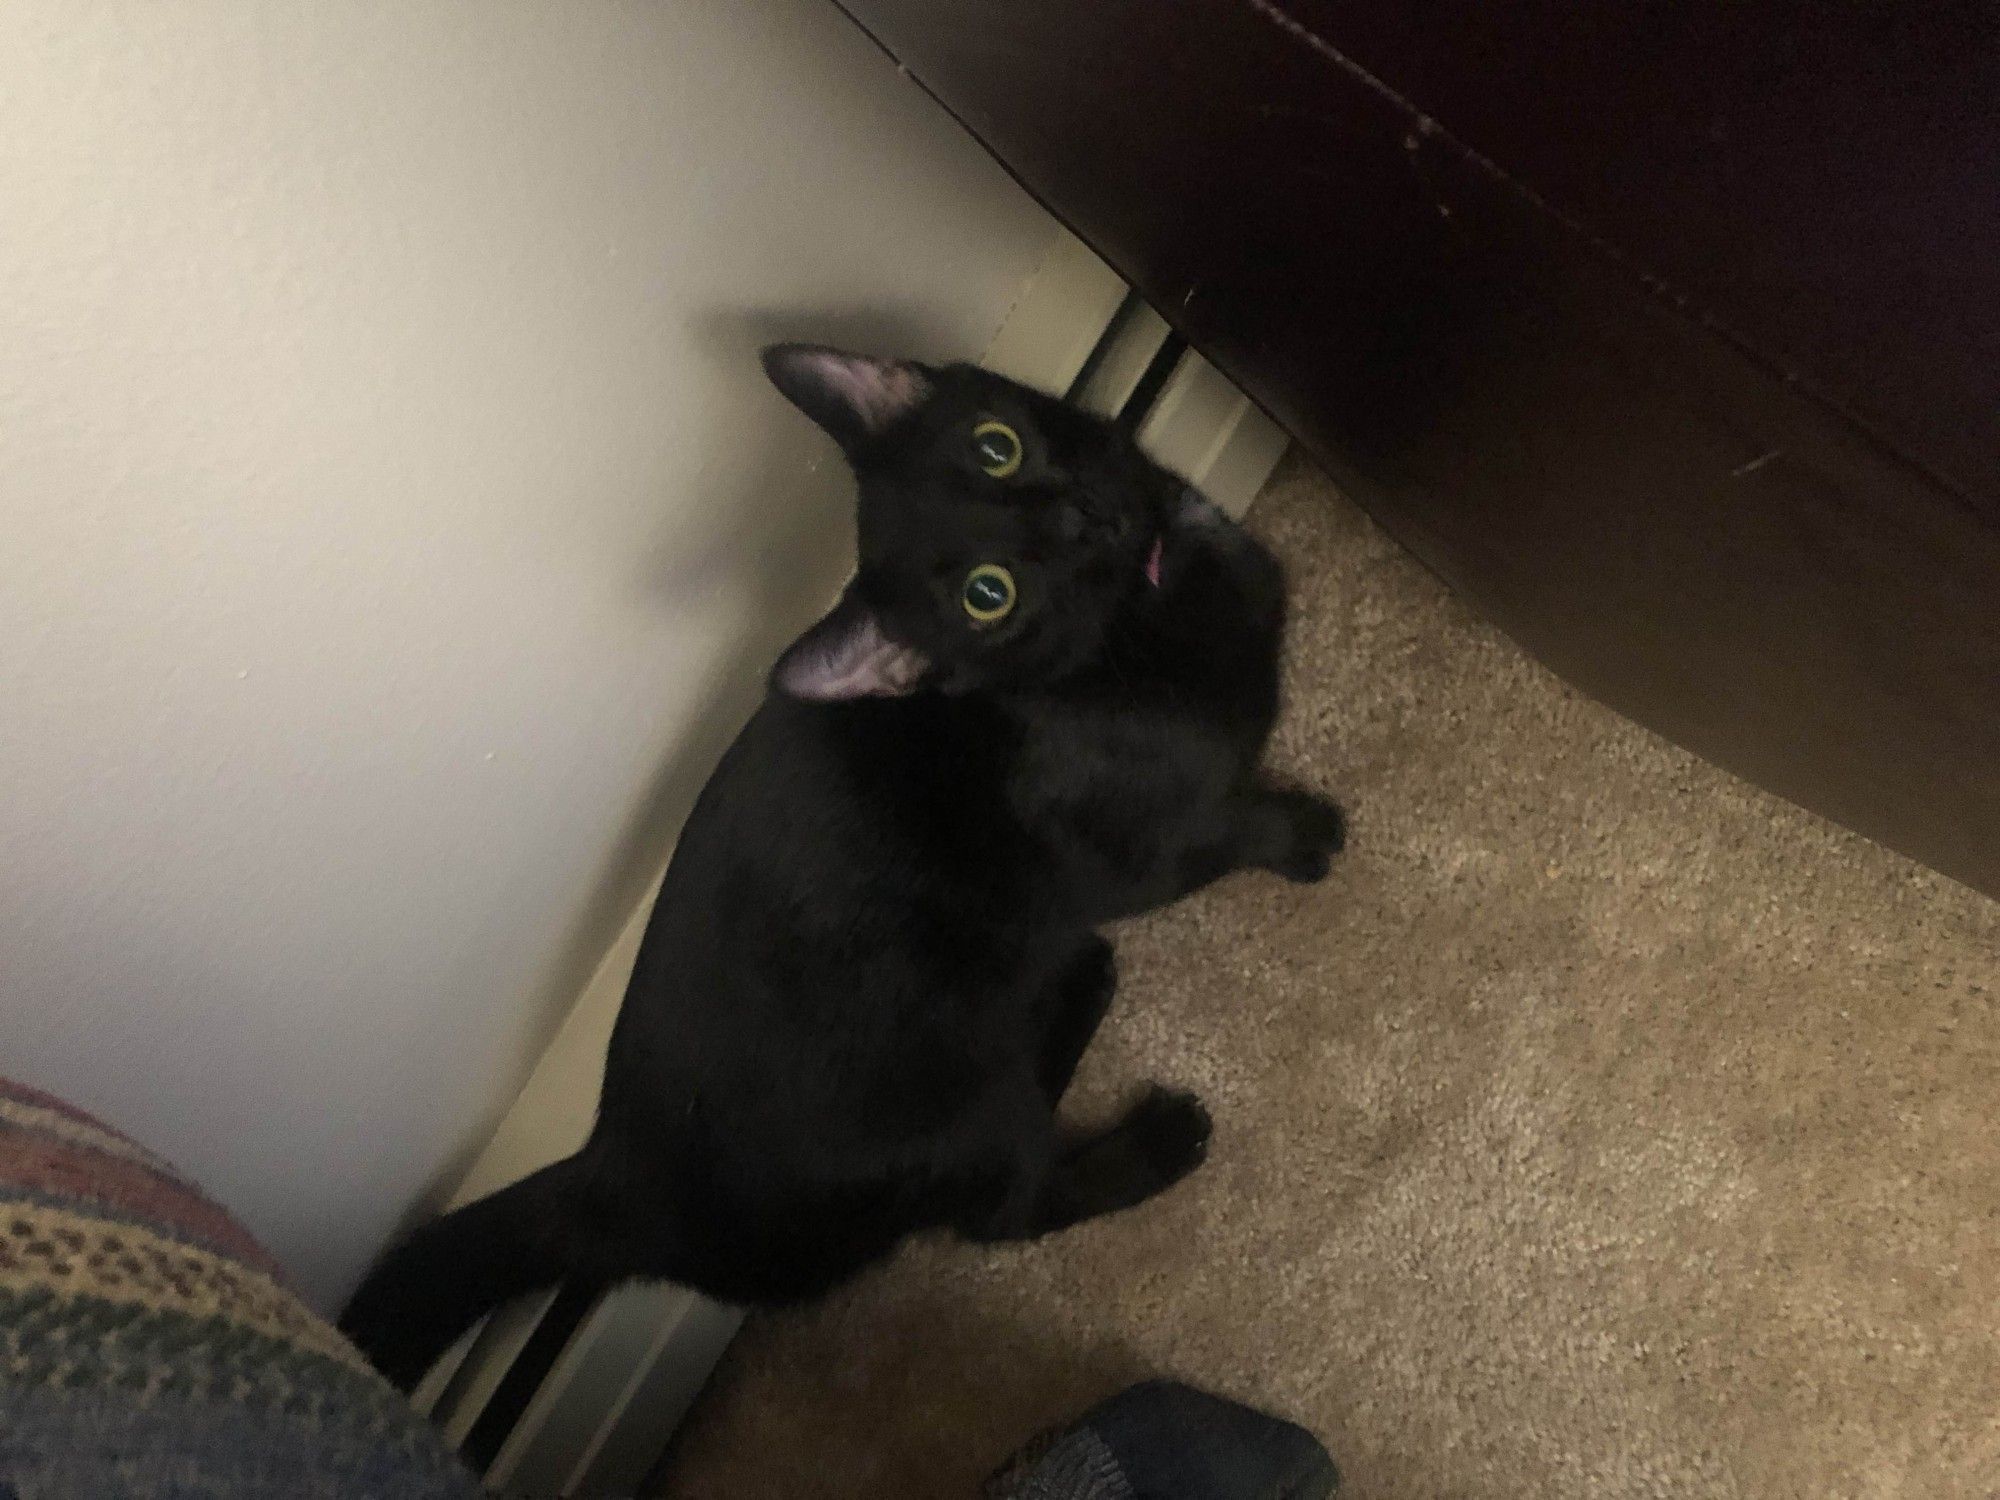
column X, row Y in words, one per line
column 1171, row 1130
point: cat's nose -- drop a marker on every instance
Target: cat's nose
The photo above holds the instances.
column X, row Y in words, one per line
column 1102, row 512
column 1117, row 525
column 1097, row 528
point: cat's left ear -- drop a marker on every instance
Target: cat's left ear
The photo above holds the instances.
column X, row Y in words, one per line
column 846, row 655
column 852, row 396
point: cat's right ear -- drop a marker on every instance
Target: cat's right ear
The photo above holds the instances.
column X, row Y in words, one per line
column 846, row 655
column 852, row 396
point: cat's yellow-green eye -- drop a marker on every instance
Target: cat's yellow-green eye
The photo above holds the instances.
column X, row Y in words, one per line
column 988, row 594
column 998, row 447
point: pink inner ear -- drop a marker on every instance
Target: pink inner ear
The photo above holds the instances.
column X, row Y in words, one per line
column 876, row 391
column 846, row 655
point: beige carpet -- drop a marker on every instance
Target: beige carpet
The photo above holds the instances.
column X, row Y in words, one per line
column 1602, row 1127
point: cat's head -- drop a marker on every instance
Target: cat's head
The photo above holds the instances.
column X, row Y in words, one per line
column 1000, row 531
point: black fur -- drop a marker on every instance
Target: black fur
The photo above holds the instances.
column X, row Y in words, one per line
column 875, row 962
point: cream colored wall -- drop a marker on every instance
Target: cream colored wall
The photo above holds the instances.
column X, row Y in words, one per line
column 394, row 524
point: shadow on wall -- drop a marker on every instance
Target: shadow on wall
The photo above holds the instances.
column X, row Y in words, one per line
column 773, row 550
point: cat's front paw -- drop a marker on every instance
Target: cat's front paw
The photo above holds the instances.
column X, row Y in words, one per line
column 1171, row 1130
column 1090, row 977
column 1318, row 831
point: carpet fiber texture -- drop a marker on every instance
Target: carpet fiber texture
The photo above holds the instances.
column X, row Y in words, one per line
column 1602, row 1127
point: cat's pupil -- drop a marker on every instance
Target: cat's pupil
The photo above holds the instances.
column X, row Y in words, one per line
column 986, row 592
column 995, row 448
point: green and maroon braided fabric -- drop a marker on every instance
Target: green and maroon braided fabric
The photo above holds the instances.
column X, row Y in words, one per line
column 150, row 1349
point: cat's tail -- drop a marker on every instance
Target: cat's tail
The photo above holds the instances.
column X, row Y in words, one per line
column 436, row 1283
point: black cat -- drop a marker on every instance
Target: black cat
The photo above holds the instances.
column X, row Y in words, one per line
column 874, row 964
